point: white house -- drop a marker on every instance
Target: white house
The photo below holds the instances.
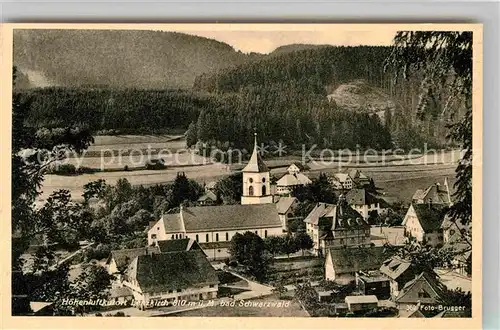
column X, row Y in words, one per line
column 365, row 202
column 359, row 178
column 423, row 223
column 341, row 181
column 256, row 180
column 361, row 303
column 159, row 279
column 291, row 179
column 214, row 226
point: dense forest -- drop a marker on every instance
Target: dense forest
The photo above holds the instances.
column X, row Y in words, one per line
column 284, row 96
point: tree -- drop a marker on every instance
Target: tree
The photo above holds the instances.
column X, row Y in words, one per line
column 273, row 244
column 93, row 283
column 304, row 241
column 249, row 250
column 290, row 245
column 230, row 188
column 319, row 190
column 191, row 135
column 444, row 59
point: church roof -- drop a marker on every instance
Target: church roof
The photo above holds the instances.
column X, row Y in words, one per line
column 255, row 164
column 222, row 217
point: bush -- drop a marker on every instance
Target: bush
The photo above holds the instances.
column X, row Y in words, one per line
column 63, row 169
column 86, row 170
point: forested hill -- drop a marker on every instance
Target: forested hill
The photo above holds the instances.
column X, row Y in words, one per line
column 125, row 59
column 295, row 47
column 311, row 68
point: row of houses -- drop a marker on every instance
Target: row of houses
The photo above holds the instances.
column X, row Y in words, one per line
column 163, row 273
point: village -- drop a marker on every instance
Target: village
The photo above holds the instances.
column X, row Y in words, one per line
column 267, row 257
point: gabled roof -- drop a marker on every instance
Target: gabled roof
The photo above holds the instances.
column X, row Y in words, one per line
column 173, row 271
column 211, row 185
column 209, row 195
column 177, row 245
column 255, row 164
column 124, row 257
column 288, row 180
column 361, row 197
column 284, row 204
column 430, row 216
column 355, row 259
column 222, row 217
column 424, row 282
column 300, row 166
column 436, row 193
column 339, row 216
column 356, row 174
column 341, row 177
column 395, row 267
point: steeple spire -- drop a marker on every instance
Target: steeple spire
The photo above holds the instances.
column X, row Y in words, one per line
column 255, row 164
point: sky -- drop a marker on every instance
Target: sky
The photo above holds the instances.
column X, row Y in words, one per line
column 266, row 41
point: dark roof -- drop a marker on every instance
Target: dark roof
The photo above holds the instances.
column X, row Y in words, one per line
column 350, row 260
column 223, row 217
column 177, row 245
column 336, row 217
column 361, row 197
column 255, row 164
column 426, row 282
column 124, row 257
column 173, row 271
column 374, row 276
column 430, row 216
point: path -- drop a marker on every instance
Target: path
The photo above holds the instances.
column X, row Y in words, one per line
column 68, row 258
column 256, row 289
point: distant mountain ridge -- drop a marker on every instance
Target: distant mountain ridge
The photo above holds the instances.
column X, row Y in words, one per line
column 113, row 58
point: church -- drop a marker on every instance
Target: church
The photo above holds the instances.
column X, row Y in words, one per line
column 213, row 227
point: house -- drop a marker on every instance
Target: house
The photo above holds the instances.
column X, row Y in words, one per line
column 121, row 295
column 341, row 181
column 336, row 225
column 435, row 194
column 294, row 178
column 462, row 256
column 373, row 283
column 423, row 291
column 177, row 245
column 325, row 296
column 400, row 271
column 286, row 207
column 365, row 202
column 161, row 279
column 423, row 223
column 359, row 179
column 209, row 198
column 361, row 303
column 213, row 227
column 119, row 260
column 210, row 186
column 256, row 180
column 297, row 167
column 453, row 230
column 341, row 265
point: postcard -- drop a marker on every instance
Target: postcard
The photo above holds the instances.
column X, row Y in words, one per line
column 221, row 175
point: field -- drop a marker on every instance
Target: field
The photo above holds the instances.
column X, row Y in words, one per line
column 399, row 179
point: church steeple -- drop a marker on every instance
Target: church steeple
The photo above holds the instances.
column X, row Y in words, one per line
column 256, row 179
column 255, row 164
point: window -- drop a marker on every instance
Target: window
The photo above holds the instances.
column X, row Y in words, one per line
column 250, row 180
column 265, row 233
column 227, row 236
column 173, row 236
column 153, row 236
column 157, row 228
column 217, row 237
column 250, row 191
column 212, row 285
column 207, row 238
column 264, row 190
column 256, row 232
column 289, row 215
column 170, row 291
column 341, row 241
column 197, row 238
column 423, row 294
column 263, row 179
column 179, row 290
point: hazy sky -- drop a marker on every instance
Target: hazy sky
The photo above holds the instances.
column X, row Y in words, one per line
column 267, row 41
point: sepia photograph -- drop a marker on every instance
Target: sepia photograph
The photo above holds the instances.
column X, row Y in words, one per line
column 244, row 170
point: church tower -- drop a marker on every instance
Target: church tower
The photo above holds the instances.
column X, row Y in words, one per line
column 256, row 185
